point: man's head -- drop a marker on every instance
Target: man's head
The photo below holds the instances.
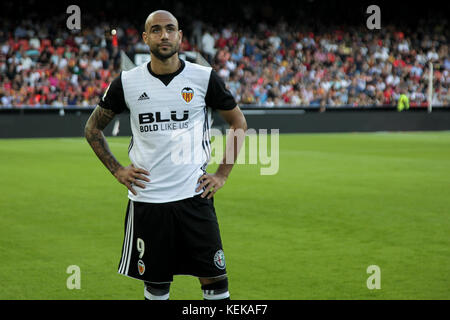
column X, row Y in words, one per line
column 162, row 34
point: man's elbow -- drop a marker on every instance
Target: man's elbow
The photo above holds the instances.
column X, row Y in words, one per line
column 89, row 131
column 244, row 124
column 240, row 123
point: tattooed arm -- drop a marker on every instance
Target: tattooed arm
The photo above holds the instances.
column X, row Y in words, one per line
column 93, row 132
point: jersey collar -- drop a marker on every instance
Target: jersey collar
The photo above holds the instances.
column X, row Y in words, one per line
column 166, row 78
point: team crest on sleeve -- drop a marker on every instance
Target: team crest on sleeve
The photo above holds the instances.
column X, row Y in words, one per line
column 141, row 267
column 187, row 94
column 219, row 259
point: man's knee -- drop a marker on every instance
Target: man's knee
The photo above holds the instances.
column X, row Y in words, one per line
column 156, row 291
column 205, row 281
column 215, row 288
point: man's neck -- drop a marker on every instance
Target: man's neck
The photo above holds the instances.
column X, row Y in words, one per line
column 167, row 66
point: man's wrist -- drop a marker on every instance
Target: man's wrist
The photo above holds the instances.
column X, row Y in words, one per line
column 222, row 174
column 115, row 170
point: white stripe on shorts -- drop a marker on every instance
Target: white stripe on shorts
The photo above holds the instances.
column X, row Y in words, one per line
column 127, row 246
column 130, row 249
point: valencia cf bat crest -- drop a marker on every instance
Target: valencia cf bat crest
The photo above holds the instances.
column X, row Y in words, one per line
column 141, row 267
column 187, row 94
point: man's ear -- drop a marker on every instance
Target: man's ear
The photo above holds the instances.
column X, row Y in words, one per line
column 144, row 36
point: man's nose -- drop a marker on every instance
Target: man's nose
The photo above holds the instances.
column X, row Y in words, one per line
column 164, row 34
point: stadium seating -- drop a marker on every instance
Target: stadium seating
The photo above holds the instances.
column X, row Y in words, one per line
column 274, row 65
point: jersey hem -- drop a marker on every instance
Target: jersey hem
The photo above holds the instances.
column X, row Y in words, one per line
column 165, row 201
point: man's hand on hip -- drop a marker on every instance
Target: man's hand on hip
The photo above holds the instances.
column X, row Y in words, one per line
column 130, row 176
column 211, row 183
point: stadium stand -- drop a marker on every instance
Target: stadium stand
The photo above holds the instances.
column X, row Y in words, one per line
column 271, row 63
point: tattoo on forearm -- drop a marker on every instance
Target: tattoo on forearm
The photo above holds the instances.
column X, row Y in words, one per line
column 98, row 121
column 101, row 117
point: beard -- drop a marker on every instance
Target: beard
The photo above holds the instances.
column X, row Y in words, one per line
column 156, row 51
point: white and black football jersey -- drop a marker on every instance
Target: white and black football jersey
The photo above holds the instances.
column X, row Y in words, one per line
column 170, row 118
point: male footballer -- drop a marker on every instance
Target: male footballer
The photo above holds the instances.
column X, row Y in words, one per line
column 171, row 226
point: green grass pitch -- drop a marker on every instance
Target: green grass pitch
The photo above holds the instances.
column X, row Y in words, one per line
column 339, row 203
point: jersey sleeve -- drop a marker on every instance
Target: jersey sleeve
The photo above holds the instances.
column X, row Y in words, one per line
column 113, row 98
column 217, row 95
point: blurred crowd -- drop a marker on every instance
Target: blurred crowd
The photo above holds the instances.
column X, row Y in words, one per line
column 43, row 66
column 290, row 65
column 266, row 65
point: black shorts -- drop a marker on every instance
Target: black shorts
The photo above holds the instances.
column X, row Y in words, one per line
column 174, row 238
